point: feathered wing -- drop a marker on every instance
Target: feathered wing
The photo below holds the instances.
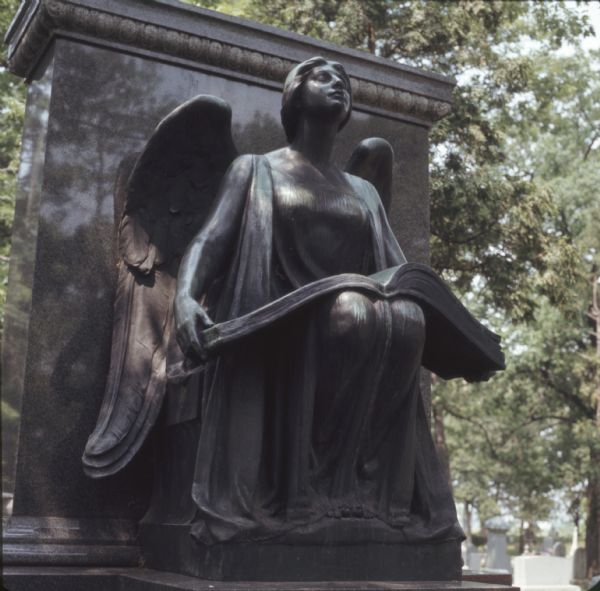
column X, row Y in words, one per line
column 166, row 200
column 373, row 160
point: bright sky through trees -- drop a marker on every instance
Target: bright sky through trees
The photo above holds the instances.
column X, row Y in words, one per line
column 593, row 11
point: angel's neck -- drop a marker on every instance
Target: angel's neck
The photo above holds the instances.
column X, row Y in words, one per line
column 314, row 140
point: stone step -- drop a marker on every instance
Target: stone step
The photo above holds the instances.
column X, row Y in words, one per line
column 141, row 579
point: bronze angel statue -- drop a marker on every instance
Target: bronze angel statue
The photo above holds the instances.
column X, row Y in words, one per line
column 279, row 278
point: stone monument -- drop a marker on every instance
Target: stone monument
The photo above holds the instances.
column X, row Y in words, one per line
column 532, row 573
column 497, row 557
column 101, row 76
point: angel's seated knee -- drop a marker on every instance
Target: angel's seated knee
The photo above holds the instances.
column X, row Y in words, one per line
column 351, row 315
column 408, row 319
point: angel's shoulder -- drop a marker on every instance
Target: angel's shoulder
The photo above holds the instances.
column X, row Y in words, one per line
column 365, row 191
column 242, row 162
column 279, row 158
column 352, row 178
column 360, row 185
column 240, row 168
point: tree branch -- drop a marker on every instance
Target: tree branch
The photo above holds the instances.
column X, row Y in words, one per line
column 479, row 426
column 590, row 146
column 571, row 399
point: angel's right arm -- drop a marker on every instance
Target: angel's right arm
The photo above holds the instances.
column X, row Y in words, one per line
column 209, row 251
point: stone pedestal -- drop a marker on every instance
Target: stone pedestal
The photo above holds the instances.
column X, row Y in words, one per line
column 101, row 74
column 497, row 557
column 319, row 560
column 141, row 579
column 353, row 552
column 487, row 577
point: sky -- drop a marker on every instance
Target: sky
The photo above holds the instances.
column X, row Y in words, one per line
column 593, row 10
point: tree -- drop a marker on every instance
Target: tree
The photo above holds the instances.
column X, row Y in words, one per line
column 554, row 361
column 517, row 440
column 564, row 153
column 12, row 108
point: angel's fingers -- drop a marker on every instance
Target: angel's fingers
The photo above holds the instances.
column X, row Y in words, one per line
column 203, row 318
column 185, row 335
column 182, row 340
column 192, row 339
column 196, row 346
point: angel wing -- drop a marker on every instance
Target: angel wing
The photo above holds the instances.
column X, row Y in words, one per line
column 166, row 199
column 373, row 160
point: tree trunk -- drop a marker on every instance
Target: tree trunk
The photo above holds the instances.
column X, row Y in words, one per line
column 521, row 537
column 592, row 525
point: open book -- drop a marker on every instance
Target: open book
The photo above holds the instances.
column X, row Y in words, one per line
column 456, row 344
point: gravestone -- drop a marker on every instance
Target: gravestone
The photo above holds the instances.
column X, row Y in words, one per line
column 497, row 545
column 535, row 573
column 559, row 549
column 473, row 558
column 100, row 76
column 548, row 542
column 579, row 573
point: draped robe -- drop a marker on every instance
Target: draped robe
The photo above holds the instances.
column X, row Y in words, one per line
column 301, row 432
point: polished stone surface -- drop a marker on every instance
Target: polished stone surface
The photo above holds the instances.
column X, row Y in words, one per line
column 20, row 279
column 103, row 108
column 57, row 541
column 81, row 579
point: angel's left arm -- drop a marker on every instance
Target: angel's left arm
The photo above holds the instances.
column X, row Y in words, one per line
column 207, row 254
column 208, row 251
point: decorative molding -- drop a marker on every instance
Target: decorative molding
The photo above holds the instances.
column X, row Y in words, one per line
column 60, row 541
column 63, row 17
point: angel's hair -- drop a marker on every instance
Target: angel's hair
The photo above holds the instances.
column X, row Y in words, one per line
column 290, row 101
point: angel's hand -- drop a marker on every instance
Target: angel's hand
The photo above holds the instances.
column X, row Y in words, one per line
column 190, row 319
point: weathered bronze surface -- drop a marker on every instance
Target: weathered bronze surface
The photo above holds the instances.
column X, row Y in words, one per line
column 312, row 426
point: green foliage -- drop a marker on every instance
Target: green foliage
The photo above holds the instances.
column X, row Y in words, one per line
column 526, row 434
column 12, row 107
column 535, row 425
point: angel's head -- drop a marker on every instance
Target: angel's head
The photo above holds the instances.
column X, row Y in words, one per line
column 315, row 86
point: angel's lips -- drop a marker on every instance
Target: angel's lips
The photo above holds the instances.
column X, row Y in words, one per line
column 338, row 94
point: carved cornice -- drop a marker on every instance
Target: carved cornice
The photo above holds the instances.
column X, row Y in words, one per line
column 44, row 19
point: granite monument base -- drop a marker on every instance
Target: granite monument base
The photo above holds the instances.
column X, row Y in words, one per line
column 486, row 577
column 58, row 541
column 171, row 548
column 142, row 579
column 331, row 549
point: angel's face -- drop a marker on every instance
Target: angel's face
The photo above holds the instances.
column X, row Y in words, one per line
column 325, row 92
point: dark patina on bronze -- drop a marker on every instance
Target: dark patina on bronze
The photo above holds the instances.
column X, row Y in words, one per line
column 272, row 288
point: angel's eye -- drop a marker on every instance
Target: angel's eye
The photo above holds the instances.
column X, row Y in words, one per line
column 323, row 77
